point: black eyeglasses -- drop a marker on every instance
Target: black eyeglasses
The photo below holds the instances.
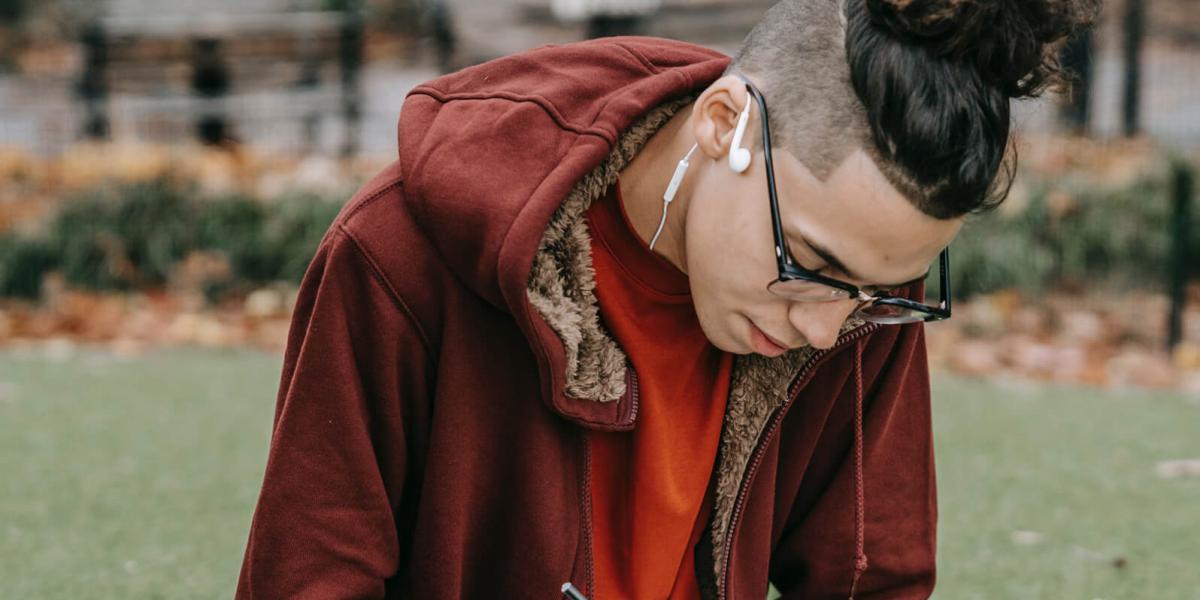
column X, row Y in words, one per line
column 797, row 283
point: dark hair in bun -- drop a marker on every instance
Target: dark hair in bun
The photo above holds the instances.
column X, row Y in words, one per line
column 936, row 77
column 933, row 79
column 1010, row 42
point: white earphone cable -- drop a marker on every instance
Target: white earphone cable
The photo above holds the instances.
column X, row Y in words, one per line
column 672, row 188
column 739, row 161
column 662, row 222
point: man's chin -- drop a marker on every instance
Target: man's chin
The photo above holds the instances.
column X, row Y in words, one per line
column 724, row 340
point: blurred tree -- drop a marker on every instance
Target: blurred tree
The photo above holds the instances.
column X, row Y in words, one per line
column 607, row 17
column 436, row 26
column 1078, row 59
column 11, row 11
column 211, row 80
column 93, row 82
column 350, row 59
column 1134, row 24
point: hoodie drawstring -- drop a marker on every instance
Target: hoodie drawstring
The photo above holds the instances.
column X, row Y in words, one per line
column 860, row 555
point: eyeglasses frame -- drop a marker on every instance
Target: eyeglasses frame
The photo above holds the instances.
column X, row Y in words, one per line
column 790, row 270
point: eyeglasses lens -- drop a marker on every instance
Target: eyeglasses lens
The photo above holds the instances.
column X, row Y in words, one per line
column 800, row 290
column 889, row 314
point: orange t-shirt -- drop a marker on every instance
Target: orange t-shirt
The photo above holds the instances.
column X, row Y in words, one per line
column 649, row 485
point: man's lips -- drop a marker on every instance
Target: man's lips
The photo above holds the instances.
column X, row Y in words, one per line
column 764, row 344
column 773, row 340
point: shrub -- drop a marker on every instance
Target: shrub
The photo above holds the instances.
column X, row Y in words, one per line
column 132, row 235
column 124, row 237
column 266, row 242
column 234, row 226
column 1074, row 235
column 23, row 264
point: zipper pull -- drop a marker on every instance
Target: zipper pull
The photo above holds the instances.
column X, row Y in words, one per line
column 570, row 590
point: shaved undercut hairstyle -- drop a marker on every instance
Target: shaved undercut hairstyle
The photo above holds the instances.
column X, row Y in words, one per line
column 922, row 86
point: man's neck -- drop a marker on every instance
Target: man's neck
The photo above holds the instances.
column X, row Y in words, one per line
column 644, row 180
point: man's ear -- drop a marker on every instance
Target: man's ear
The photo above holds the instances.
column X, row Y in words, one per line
column 715, row 115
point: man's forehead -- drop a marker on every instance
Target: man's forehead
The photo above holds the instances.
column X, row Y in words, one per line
column 855, row 174
column 859, row 217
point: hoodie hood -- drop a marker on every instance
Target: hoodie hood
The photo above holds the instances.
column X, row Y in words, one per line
column 495, row 149
column 501, row 160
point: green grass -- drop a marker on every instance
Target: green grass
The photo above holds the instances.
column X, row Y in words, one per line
column 1076, row 466
column 137, row 479
column 130, row 479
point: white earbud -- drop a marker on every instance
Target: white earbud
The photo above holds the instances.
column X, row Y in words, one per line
column 739, row 157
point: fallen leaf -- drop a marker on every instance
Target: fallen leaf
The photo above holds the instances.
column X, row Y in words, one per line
column 1022, row 537
column 1176, row 469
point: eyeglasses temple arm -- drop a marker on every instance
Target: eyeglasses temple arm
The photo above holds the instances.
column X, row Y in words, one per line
column 945, row 280
column 781, row 253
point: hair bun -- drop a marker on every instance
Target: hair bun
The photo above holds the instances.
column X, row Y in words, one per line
column 1012, row 42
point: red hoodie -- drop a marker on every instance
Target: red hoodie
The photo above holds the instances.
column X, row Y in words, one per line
column 446, row 357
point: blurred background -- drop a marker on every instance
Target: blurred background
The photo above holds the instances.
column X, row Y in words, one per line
column 167, row 169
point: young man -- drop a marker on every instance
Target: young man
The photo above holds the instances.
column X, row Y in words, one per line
column 609, row 328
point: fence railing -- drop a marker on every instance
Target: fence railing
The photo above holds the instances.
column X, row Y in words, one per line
column 190, row 67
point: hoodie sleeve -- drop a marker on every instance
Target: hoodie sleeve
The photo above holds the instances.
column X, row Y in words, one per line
column 816, row 556
column 325, row 524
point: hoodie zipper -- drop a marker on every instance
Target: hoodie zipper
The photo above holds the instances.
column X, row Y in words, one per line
column 587, row 487
column 756, row 457
column 587, row 514
column 633, row 383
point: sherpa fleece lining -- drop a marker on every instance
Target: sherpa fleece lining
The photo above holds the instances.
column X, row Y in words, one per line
column 562, row 287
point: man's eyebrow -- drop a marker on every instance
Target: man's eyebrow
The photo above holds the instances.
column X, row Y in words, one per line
column 829, row 258
column 836, row 263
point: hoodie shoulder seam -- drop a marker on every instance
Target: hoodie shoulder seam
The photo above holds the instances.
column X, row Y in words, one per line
column 382, row 190
column 541, row 101
column 377, row 273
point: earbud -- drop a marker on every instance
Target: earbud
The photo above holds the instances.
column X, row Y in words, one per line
column 739, row 157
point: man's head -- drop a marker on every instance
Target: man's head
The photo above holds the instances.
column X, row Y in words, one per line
column 923, row 86
column 889, row 123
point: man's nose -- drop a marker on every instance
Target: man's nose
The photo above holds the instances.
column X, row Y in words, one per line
column 820, row 322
